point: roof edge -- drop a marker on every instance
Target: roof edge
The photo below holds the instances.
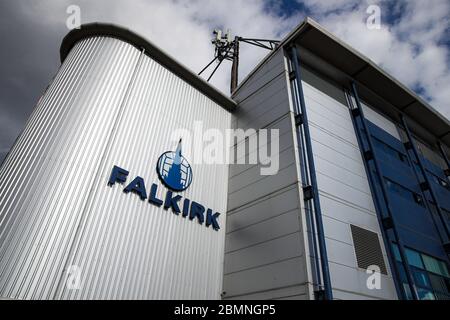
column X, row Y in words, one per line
column 295, row 32
column 308, row 24
column 121, row 33
column 374, row 65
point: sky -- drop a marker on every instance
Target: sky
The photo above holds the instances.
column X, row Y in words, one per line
column 412, row 44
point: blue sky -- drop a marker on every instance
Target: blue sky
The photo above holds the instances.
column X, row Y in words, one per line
column 413, row 43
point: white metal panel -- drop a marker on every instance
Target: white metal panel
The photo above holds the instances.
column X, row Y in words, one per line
column 130, row 248
column 344, row 190
column 265, row 278
column 264, row 256
column 108, row 105
column 48, row 173
column 296, row 292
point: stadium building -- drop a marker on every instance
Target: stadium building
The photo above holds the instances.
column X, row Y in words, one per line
column 96, row 201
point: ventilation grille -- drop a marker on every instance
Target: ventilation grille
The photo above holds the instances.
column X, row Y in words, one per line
column 367, row 248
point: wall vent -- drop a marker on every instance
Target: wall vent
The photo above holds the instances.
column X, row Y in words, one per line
column 367, row 248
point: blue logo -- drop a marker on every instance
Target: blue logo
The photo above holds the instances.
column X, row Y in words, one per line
column 176, row 174
column 174, row 170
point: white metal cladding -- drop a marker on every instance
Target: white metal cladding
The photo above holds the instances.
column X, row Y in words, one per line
column 264, row 253
column 46, row 177
column 345, row 196
column 108, row 105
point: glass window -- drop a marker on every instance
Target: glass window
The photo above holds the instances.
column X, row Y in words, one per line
column 397, row 255
column 401, row 271
column 438, row 283
column 425, row 294
column 442, row 296
column 434, row 265
column 414, row 258
column 418, row 198
column 440, row 181
column 407, row 291
column 446, row 212
column 444, row 183
column 387, row 149
column 421, row 278
column 430, row 275
column 444, row 269
column 404, row 192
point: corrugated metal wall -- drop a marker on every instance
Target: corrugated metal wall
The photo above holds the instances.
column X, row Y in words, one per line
column 108, row 105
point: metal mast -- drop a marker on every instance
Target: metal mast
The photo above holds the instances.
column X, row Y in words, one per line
column 227, row 49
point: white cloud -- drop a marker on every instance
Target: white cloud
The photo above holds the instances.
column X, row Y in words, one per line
column 409, row 48
column 322, row 7
column 183, row 28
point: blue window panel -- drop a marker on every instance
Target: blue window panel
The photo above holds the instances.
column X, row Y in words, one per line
column 414, row 258
column 407, row 291
column 421, row 242
column 446, row 213
column 442, row 195
column 444, row 201
column 441, row 296
column 440, row 284
column 433, row 168
column 412, row 216
column 441, row 184
column 414, row 222
column 430, row 285
column 382, row 135
column 435, row 266
column 397, row 255
column 405, row 192
column 403, row 176
column 421, row 278
column 425, row 294
column 402, row 272
column 389, row 153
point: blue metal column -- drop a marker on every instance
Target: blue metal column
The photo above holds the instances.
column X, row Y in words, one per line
column 318, row 287
column 311, row 192
column 447, row 174
column 377, row 201
column 388, row 220
column 447, row 162
column 427, row 186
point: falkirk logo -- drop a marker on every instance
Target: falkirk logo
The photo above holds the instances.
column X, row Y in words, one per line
column 174, row 170
column 175, row 173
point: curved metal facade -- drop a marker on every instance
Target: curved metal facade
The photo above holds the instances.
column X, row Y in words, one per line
column 109, row 104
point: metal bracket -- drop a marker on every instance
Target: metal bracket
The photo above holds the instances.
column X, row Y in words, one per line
column 298, row 119
column 424, row 186
column 447, row 172
column 368, row 155
column 388, row 223
column 319, row 294
column 356, row 112
column 408, row 145
column 308, row 193
column 292, row 75
column 447, row 248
